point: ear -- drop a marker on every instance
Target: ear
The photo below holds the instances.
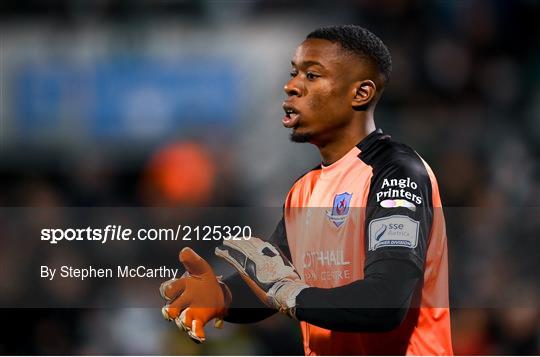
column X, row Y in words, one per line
column 364, row 93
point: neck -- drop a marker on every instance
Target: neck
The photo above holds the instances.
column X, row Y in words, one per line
column 334, row 150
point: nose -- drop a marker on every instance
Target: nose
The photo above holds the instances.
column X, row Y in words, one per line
column 292, row 88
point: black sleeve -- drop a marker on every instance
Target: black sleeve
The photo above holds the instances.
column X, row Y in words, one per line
column 279, row 238
column 377, row 303
column 245, row 306
column 399, row 211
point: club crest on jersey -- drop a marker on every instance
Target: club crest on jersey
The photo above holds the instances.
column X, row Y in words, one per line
column 340, row 208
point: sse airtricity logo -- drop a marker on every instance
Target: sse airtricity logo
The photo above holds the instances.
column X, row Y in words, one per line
column 393, row 231
column 340, row 208
column 380, row 232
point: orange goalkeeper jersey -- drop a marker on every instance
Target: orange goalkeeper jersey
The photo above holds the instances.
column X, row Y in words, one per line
column 379, row 201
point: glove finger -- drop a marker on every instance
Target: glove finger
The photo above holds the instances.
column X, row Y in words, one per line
column 173, row 288
column 165, row 313
column 194, row 327
column 193, row 263
column 239, row 252
column 247, row 247
column 247, row 255
column 170, row 313
column 174, row 308
column 233, row 256
column 181, row 320
column 197, row 331
column 254, row 247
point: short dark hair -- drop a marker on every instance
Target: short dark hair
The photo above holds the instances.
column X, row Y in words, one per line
column 358, row 41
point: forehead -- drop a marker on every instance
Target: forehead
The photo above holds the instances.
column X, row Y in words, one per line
column 323, row 51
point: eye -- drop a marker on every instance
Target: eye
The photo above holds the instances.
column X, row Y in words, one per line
column 293, row 73
column 311, row 76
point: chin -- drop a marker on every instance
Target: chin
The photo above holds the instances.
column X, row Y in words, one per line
column 300, row 137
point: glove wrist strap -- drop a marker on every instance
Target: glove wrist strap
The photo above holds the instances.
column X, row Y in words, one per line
column 282, row 296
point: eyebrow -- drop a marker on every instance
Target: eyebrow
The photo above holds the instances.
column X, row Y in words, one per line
column 307, row 64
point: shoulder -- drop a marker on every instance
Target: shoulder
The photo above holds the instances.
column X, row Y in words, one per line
column 399, row 174
column 389, row 157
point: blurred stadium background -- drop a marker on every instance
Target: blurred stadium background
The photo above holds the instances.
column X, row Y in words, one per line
column 127, row 103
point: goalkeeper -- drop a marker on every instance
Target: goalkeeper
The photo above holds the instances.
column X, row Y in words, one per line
column 368, row 273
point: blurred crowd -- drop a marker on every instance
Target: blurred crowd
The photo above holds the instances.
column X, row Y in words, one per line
column 465, row 93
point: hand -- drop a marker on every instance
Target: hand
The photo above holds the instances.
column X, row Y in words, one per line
column 195, row 298
column 266, row 271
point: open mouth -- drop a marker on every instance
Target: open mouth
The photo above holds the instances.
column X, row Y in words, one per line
column 291, row 116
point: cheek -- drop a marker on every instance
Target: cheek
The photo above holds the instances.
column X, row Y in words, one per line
column 330, row 93
column 322, row 99
column 314, row 103
column 329, row 102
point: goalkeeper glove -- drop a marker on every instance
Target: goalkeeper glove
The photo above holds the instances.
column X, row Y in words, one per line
column 266, row 271
column 195, row 298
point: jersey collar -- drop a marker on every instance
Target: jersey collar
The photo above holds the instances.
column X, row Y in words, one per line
column 329, row 170
column 370, row 139
column 334, row 168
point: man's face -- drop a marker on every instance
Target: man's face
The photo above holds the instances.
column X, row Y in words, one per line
column 320, row 91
